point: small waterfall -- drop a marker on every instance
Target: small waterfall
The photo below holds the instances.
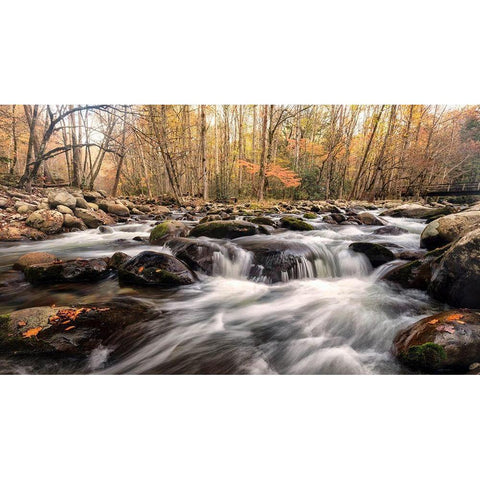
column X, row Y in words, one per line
column 232, row 262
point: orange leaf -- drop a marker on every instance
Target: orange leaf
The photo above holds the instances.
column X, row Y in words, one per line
column 461, row 322
column 433, row 322
column 69, row 328
column 455, row 316
column 140, row 270
column 33, row 332
column 21, row 324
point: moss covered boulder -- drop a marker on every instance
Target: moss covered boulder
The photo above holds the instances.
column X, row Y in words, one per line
column 69, row 271
column 377, row 254
column 447, row 341
column 166, row 230
column 227, row 229
column 158, row 269
column 294, row 223
column 310, row 215
column 270, row 222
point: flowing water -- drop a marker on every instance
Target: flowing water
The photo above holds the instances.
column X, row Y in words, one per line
column 329, row 314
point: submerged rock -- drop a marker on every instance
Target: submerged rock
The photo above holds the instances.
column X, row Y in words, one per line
column 33, row 258
column 227, row 229
column 166, row 230
column 47, row 221
column 448, row 228
column 293, row 223
column 377, row 254
column 445, row 341
column 69, row 271
column 159, row 269
column 457, row 278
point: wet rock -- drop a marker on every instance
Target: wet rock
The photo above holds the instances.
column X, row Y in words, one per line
column 457, row 278
column 448, row 228
column 377, row 254
column 368, row 218
column 442, row 342
column 94, row 219
column 33, row 258
column 196, row 253
column 118, row 259
column 330, row 220
column 47, row 221
column 277, row 259
column 70, row 221
column 159, row 269
column 294, row 223
column 61, row 197
column 227, row 229
column 390, row 230
column 70, row 331
column 167, row 230
column 210, row 218
column 310, row 215
column 70, row 271
column 264, row 221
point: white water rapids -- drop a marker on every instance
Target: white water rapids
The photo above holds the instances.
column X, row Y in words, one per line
column 329, row 314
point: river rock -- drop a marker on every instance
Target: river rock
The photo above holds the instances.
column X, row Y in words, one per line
column 390, row 230
column 118, row 259
column 65, row 210
column 33, row 258
column 153, row 268
column 167, row 230
column 69, row 271
column 47, row 221
column 457, row 278
column 118, row 209
column 448, row 228
column 377, row 254
column 446, row 341
column 23, row 207
column 4, row 202
column 92, row 196
column 227, row 229
column 61, row 197
column 70, row 221
column 294, row 223
column 70, row 330
column 414, row 210
column 265, row 221
column 196, row 253
column 19, row 231
column 368, row 218
column 80, row 202
column 94, row 219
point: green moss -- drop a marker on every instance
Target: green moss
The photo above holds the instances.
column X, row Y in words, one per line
column 4, row 317
column 158, row 232
column 427, row 356
column 294, row 223
column 263, row 221
column 226, row 229
column 310, row 215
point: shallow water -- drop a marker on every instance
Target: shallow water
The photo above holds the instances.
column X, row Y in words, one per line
column 330, row 314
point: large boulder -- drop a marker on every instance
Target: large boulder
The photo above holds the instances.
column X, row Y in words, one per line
column 94, row 219
column 446, row 341
column 33, row 258
column 118, row 209
column 47, row 221
column 195, row 252
column 294, row 223
column 61, row 197
column 70, row 330
column 153, row 268
column 167, row 230
column 227, row 229
column 414, row 210
column 368, row 218
column 448, row 228
column 457, row 278
column 70, row 222
column 69, row 271
column 377, row 254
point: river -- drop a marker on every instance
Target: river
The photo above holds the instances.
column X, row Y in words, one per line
column 330, row 315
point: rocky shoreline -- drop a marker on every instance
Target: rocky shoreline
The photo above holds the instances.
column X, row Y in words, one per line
column 447, row 267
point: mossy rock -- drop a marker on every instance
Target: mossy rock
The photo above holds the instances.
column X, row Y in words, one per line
column 294, row 223
column 426, row 357
column 263, row 221
column 227, row 229
column 310, row 215
column 166, row 230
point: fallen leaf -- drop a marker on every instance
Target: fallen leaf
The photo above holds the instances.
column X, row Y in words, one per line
column 453, row 317
column 446, row 328
column 140, row 270
column 33, row 332
column 461, row 322
column 69, row 328
column 433, row 322
column 21, row 324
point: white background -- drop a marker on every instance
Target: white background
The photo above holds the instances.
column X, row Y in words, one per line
column 244, row 52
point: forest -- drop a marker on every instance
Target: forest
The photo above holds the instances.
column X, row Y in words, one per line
column 220, row 152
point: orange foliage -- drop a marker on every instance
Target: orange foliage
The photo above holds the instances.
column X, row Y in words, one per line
column 33, row 332
column 288, row 177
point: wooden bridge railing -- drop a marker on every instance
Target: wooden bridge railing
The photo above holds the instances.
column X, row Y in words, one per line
column 445, row 189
